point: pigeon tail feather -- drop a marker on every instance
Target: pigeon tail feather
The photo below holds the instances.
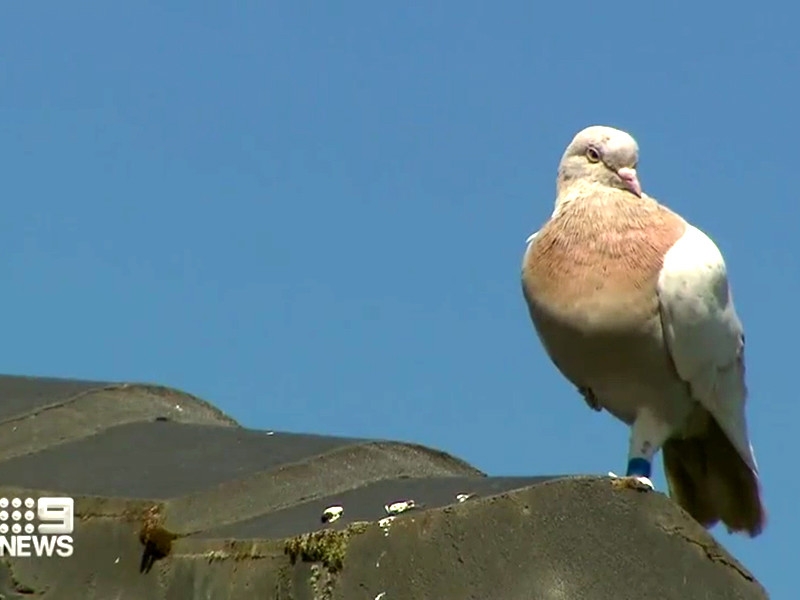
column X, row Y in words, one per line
column 708, row 478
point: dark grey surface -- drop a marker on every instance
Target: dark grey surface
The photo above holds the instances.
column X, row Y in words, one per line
column 570, row 539
column 367, row 504
column 22, row 395
column 210, row 507
column 161, row 459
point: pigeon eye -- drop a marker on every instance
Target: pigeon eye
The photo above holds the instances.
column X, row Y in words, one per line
column 592, row 154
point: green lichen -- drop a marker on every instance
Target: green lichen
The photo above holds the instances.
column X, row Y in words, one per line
column 216, row 555
column 324, row 591
column 326, row 546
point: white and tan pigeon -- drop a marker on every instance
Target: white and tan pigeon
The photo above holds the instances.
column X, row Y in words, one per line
column 633, row 306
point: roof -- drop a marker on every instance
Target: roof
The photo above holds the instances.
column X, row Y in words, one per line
column 174, row 499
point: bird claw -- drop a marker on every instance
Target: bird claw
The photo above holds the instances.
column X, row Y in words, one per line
column 590, row 398
column 641, row 484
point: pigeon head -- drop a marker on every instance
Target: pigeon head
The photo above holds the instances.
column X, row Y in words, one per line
column 603, row 155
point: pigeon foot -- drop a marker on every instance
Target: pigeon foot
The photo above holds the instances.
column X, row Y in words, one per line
column 638, row 483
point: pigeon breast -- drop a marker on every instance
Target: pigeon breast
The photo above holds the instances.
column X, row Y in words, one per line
column 590, row 278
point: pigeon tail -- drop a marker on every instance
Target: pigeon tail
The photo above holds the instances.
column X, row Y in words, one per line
column 708, row 479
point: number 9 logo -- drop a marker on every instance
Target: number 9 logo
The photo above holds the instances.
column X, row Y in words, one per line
column 56, row 516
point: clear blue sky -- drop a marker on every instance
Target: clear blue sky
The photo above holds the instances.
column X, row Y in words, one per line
column 313, row 214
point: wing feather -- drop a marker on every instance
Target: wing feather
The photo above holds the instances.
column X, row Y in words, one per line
column 704, row 335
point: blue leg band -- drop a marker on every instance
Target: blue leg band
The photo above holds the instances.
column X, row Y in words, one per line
column 638, row 467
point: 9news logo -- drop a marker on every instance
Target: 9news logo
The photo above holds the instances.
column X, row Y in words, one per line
column 55, row 520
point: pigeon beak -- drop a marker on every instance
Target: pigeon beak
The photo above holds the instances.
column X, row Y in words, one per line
column 631, row 180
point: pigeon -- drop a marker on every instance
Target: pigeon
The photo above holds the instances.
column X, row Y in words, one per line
column 633, row 306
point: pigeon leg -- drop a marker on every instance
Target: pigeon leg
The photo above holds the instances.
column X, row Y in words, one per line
column 648, row 434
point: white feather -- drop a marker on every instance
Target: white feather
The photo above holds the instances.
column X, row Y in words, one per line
column 529, row 242
column 704, row 334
